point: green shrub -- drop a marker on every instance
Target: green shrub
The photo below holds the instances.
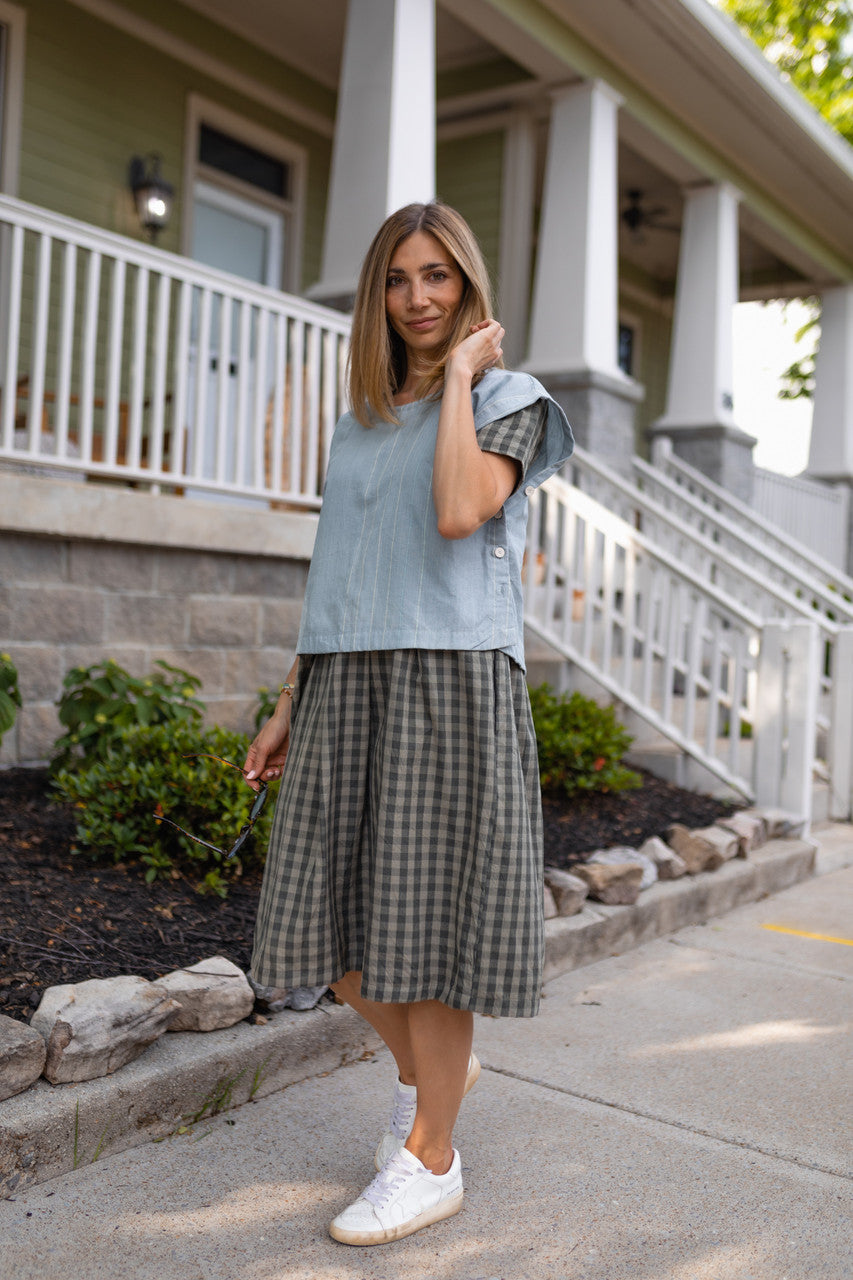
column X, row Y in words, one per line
column 580, row 744
column 101, row 701
column 267, row 703
column 10, row 694
column 142, row 773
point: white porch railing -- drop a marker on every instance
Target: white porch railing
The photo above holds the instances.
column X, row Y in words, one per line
column 706, row 671
column 733, row 564
column 122, row 361
column 814, row 514
column 700, row 502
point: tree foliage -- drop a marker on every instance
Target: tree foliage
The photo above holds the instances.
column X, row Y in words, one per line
column 811, row 42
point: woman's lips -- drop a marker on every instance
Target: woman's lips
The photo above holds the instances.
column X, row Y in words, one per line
column 421, row 326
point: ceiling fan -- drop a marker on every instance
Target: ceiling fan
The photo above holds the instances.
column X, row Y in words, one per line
column 638, row 217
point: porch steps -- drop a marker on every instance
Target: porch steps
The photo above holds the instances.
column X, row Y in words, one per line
column 651, row 750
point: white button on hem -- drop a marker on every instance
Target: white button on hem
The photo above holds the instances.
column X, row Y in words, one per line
column 500, row 552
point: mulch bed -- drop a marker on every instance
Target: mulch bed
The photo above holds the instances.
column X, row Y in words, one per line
column 64, row 918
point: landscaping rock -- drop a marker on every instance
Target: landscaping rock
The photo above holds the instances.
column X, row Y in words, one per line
column 669, row 864
column 551, row 911
column 750, row 829
column 212, row 994
column 302, row 998
column 271, row 999
column 725, row 843
column 22, row 1055
column 780, row 824
column 92, row 1028
column 615, row 886
column 569, row 891
column 620, row 854
column 699, row 853
column 274, row 999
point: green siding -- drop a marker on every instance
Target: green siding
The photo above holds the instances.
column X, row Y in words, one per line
column 220, row 42
column 94, row 96
column 484, row 75
column 470, row 172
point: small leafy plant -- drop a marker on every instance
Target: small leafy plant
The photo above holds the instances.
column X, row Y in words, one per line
column 101, row 701
column 580, row 744
column 144, row 773
column 10, row 694
column 267, row 703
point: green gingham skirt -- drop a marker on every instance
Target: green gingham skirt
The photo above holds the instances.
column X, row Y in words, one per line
column 407, row 838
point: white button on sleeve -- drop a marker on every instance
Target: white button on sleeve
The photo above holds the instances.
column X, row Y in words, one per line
column 500, row 552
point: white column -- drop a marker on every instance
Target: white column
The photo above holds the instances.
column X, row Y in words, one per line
column 574, row 322
column 518, row 184
column 700, row 369
column 384, row 149
column 831, row 454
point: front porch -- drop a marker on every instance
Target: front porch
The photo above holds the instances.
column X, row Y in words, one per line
column 165, row 415
column 135, row 365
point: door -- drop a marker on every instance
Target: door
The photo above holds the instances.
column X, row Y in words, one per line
column 235, row 234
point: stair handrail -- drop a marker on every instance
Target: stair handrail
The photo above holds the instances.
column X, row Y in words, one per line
column 664, row 640
column 798, row 607
column 735, row 611
column 570, row 493
column 719, row 502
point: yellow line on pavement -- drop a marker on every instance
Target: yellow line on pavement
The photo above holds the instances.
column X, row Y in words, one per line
column 800, row 933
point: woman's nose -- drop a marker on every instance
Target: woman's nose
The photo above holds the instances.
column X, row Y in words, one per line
column 418, row 295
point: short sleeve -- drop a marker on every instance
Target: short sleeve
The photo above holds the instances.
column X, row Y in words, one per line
column 518, row 435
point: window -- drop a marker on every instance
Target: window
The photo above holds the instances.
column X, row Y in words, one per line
column 625, row 356
column 230, row 155
column 242, row 171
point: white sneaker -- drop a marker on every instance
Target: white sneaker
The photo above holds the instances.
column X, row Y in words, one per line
column 403, row 1113
column 403, row 1197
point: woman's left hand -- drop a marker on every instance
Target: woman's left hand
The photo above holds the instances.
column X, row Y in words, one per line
column 480, row 350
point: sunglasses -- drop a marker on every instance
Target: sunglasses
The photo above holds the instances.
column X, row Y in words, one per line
column 246, row 829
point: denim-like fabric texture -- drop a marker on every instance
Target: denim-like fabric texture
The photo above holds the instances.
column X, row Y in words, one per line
column 381, row 575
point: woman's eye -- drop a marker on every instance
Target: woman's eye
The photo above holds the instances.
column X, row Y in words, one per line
column 393, row 281
column 438, row 275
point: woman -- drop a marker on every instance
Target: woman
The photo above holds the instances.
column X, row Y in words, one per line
column 405, row 857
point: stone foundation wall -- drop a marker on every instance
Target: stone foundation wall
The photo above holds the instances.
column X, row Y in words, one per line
column 229, row 617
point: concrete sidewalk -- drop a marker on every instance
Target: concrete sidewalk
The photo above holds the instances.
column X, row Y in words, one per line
column 681, row 1112
column 47, row 1131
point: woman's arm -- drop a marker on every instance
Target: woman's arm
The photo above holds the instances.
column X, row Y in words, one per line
column 267, row 754
column 468, row 485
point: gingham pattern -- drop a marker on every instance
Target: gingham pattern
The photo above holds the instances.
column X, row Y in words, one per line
column 407, row 841
column 518, row 435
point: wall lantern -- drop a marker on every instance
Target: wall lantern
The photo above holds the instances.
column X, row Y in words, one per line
column 153, row 195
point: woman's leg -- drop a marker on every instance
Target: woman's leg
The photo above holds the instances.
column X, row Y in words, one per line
column 390, row 1020
column 441, row 1045
column 431, row 1044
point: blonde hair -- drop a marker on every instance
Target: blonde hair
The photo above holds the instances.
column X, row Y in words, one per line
column 377, row 359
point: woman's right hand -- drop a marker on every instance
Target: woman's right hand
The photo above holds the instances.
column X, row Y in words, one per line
column 481, row 350
column 268, row 752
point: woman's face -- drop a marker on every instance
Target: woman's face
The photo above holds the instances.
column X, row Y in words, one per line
column 422, row 292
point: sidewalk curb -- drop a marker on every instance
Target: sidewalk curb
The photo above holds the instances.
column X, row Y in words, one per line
column 598, row 931
column 186, row 1077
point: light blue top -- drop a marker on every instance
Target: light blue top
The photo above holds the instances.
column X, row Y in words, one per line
column 382, row 576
